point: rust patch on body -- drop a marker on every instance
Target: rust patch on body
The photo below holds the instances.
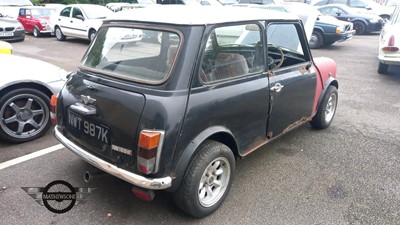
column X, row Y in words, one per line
column 296, row 124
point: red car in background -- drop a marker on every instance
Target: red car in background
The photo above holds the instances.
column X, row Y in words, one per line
column 36, row 19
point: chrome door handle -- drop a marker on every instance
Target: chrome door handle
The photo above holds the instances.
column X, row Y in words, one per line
column 277, row 88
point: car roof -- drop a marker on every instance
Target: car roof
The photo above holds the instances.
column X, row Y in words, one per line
column 198, row 15
column 34, row 7
column 334, row 5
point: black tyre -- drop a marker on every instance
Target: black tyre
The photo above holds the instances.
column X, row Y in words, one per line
column 36, row 32
column 383, row 68
column 92, row 35
column 59, row 34
column 359, row 27
column 328, row 43
column 316, row 40
column 207, row 180
column 24, row 115
column 326, row 110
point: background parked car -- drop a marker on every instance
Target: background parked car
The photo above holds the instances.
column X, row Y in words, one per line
column 366, row 5
column 36, row 19
column 25, row 96
column 363, row 22
column 11, row 29
column 326, row 30
column 80, row 21
column 389, row 43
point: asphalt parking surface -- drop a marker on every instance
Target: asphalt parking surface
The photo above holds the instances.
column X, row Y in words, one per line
column 346, row 174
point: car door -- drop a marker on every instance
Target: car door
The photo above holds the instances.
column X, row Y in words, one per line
column 64, row 21
column 291, row 76
column 233, row 92
column 340, row 14
column 77, row 23
column 29, row 20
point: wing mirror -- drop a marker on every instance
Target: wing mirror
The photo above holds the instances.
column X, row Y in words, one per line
column 338, row 14
column 80, row 17
column 368, row 7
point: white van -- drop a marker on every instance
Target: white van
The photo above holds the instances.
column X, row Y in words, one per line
column 10, row 8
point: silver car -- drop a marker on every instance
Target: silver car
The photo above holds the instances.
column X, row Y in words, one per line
column 11, row 29
column 26, row 86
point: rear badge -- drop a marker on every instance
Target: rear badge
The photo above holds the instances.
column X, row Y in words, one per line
column 121, row 149
column 88, row 100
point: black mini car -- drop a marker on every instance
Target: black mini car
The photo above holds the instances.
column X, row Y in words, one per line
column 174, row 115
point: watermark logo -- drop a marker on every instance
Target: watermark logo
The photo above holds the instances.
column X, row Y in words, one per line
column 58, row 196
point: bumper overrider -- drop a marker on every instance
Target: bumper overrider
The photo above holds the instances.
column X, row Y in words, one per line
column 137, row 180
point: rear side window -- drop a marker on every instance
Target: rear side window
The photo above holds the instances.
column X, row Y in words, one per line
column 66, row 12
column 232, row 51
column 141, row 55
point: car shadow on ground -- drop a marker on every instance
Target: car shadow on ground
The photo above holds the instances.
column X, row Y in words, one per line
column 393, row 74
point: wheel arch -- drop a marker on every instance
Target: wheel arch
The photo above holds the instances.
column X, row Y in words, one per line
column 216, row 133
column 319, row 29
column 385, row 16
column 361, row 21
column 36, row 86
column 330, row 82
column 90, row 31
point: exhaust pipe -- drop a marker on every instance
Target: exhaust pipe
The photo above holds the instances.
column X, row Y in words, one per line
column 88, row 176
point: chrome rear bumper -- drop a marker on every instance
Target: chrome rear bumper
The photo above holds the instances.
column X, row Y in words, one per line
column 137, row 180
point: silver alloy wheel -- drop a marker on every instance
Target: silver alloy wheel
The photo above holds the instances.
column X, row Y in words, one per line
column 58, row 34
column 214, row 181
column 330, row 108
column 314, row 40
column 92, row 35
column 35, row 32
column 24, row 116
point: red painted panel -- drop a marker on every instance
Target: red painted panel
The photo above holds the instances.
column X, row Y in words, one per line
column 326, row 68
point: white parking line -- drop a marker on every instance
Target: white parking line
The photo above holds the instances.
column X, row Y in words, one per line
column 33, row 155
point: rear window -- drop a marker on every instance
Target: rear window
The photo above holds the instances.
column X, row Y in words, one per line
column 141, row 55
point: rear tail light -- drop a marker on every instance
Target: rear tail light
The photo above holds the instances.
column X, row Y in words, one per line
column 391, row 41
column 390, row 47
column 149, row 150
column 53, row 104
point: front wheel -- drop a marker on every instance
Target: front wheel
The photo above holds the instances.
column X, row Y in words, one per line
column 24, row 115
column 36, row 32
column 92, row 35
column 207, row 181
column 326, row 110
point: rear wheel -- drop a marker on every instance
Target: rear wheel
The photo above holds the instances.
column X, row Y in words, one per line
column 382, row 68
column 207, row 181
column 326, row 110
column 316, row 40
column 36, row 32
column 24, row 115
column 92, row 35
column 59, row 34
column 359, row 27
